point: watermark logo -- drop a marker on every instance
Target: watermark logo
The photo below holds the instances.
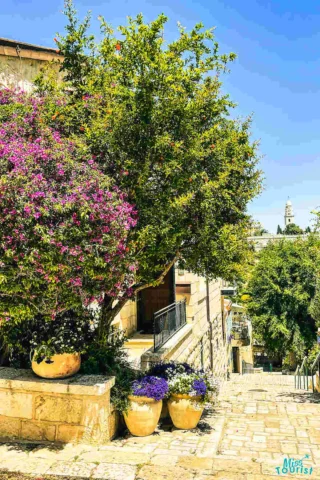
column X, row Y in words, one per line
column 290, row 465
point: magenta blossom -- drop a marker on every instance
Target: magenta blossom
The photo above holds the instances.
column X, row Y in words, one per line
column 64, row 224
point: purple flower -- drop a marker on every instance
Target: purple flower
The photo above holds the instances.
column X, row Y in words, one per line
column 200, row 387
column 151, row 387
column 167, row 370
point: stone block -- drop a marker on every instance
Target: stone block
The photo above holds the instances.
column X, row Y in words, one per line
column 152, row 472
column 9, row 427
column 114, row 471
column 195, row 463
column 72, row 469
column 64, row 409
column 70, row 433
column 15, row 404
column 38, row 431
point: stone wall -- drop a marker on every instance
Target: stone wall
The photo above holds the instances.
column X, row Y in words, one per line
column 19, row 71
column 75, row 410
column 126, row 319
column 201, row 342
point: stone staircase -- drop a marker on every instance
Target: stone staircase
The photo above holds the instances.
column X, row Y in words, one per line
column 136, row 346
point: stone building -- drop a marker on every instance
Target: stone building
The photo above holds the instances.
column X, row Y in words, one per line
column 21, row 62
column 261, row 241
column 288, row 214
column 185, row 319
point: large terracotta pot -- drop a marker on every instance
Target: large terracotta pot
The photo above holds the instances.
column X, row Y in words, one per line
column 62, row 366
column 185, row 411
column 143, row 416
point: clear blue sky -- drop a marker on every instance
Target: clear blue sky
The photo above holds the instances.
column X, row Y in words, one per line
column 276, row 77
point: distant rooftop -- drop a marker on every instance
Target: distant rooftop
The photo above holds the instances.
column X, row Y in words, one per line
column 7, row 42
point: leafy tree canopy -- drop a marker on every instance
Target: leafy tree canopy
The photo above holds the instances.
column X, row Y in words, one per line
column 281, row 288
column 153, row 116
column 292, row 229
column 279, row 230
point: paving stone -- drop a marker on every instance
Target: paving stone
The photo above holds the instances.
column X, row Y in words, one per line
column 195, row 463
column 123, row 457
column 232, row 466
column 35, row 466
column 114, row 471
column 153, row 472
column 164, row 459
column 72, row 469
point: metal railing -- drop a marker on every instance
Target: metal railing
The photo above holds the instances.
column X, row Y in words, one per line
column 313, row 368
column 301, row 373
column 167, row 321
column 241, row 333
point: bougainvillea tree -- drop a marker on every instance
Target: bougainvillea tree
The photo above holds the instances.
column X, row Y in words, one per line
column 64, row 226
column 154, row 116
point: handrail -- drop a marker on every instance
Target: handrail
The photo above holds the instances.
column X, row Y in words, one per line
column 304, row 371
column 296, row 377
column 316, row 361
column 167, row 321
column 301, row 371
column 312, row 369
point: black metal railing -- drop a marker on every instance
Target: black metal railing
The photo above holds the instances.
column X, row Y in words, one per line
column 301, row 375
column 315, row 368
column 167, row 322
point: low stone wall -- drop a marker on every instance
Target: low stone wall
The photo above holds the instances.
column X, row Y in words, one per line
column 74, row 410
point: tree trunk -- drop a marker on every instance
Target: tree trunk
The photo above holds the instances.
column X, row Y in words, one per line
column 108, row 314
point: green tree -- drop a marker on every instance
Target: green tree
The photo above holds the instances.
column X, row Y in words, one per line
column 292, row 229
column 257, row 229
column 279, row 230
column 281, row 288
column 153, row 115
column 308, row 230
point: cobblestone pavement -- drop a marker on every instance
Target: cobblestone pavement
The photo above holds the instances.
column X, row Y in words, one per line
column 259, row 421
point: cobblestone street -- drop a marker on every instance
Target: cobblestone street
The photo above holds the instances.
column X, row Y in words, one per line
column 259, row 421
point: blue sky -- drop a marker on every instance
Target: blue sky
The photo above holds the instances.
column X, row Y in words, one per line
column 276, row 77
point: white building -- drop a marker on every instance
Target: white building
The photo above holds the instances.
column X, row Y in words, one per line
column 288, row 214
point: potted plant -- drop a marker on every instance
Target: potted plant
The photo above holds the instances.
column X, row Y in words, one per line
column 188, row 394
column 144, row 410
column 168, row 370
column 57, row 344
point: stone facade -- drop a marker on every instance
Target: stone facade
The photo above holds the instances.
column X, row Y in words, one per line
column 75, row 410
column 202, row 341
column 20, row 63
column 127, row 318
column 260, row 242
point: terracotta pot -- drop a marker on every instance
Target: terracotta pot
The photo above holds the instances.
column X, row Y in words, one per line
column 185, row 411
column 63, row 366
column 143, row 416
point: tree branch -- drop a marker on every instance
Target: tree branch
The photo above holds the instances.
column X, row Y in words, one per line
column 160, row 278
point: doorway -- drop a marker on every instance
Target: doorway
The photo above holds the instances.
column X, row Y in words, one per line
column 236, row 358
column 153, row 299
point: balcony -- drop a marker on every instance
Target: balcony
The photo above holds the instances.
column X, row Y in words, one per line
column 168, row 321
column 241, row 333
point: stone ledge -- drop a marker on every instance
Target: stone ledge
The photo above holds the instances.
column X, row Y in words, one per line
column 76, row 409
column 26, row 380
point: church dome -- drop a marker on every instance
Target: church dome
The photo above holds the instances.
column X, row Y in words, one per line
column 289, row 203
